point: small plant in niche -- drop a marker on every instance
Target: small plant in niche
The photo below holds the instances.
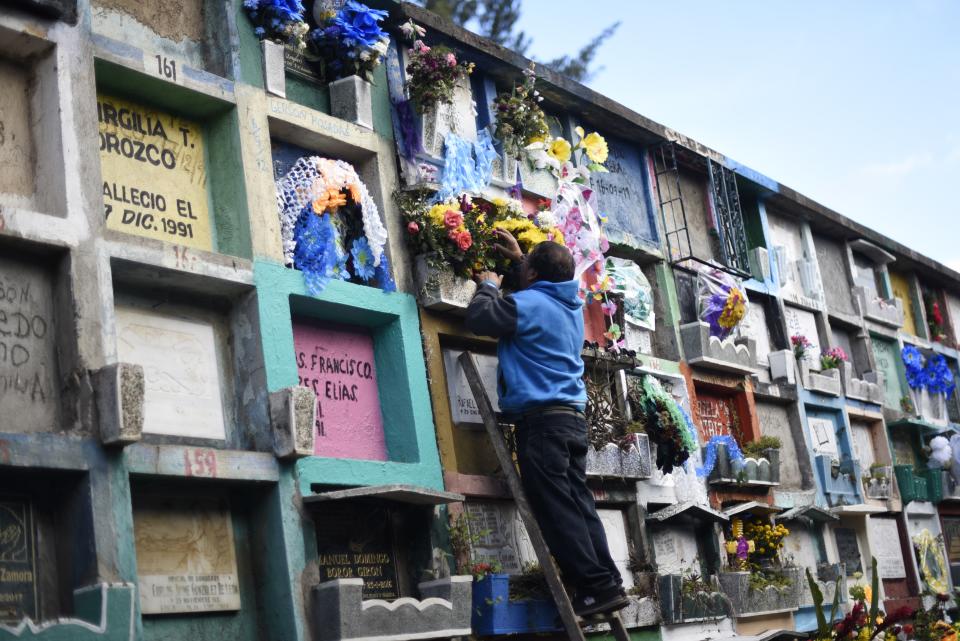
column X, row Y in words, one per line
column 800, row 344
column 833, row 358
column 432, row 72
column 757, row 449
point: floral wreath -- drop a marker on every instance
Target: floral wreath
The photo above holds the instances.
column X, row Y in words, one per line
column 722, row 303
column 316, row 233
column 933, row 567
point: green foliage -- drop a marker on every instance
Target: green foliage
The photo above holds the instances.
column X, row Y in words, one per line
column 529, row 584
column 762, row 578
column 755, row 449
column 823, row 628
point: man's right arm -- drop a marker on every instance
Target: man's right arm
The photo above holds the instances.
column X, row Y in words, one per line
column 490, row 314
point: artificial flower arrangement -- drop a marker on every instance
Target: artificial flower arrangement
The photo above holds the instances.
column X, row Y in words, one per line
column 331, row 226
column 348, row 42
column 667, row 424
column 767, row 538
column 344, row 43
column 865, row 621
column 558, row 154
column 432, row 72
column 800, row 344
column 721, row 302
column 932, row 374
column 459, row 232
column 833, row 358
column 520, row 120
column 935, row 321
column 278, row 20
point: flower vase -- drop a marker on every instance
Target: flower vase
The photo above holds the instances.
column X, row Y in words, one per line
column 351, row 99
column 440, row 289
column 274, row 68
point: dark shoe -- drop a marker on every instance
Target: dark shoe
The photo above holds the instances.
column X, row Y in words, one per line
column 603, row 602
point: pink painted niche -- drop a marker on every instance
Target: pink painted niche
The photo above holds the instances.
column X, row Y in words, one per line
column 338, row 365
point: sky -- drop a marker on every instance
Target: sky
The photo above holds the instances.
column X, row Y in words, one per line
column 855, row 104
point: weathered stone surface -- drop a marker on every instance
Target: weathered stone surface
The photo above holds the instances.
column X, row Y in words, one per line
column 16, row 139
column 274, row 69
column 782, row 366
column 677, row 607
column 743, row 600
column 831, row 256
column 120, row 390
column 176, row 20
column 614, row 461
column 351, row 99
column 825, row 382
column 441, row 290
column 340, row 613
column 293, row 418
column 730, row 355
column 775, row 421
column 29, row 386
column 869, row 388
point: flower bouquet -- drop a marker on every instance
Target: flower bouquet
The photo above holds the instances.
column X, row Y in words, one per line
column 520, row 120
column 664, row 421
column 800, row 344
column 432, row 75
column 280, row 21
column 833, row 358
column 721, row 302
column 348, row 42
column 932, row 374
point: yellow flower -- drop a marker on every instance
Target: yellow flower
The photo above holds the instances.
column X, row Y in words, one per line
column 559, row 149
column 436, row 214
column 596, row 147
column 536, row 138
column 867, row 593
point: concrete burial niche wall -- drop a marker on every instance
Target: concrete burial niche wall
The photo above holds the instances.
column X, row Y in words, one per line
column 783, row 422
column 887, row 356
column 623, row 196
column 187, row 375
column 902, row 289
column 338, row 364
column 186, row 33
column 392, row 323
column 693, row 186
column 831, row 255
column 29, row 380
column 31, row 148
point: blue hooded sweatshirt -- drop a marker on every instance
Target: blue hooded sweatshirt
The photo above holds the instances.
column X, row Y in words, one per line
column 541, row 335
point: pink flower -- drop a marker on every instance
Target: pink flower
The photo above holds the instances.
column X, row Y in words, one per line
column 464, row 240
column 419, row 46
column 452, row 219
column 413, row 227
column 451, row 60
column 609, row 308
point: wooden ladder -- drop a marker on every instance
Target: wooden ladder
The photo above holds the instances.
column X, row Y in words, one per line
column 571, row 623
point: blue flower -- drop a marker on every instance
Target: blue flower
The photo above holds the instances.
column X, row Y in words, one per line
column 362, row 259
column 315, row 253
column 250, row 4
column 360, row 22
column 259, row 31
column 913, row 366
column 384, row 277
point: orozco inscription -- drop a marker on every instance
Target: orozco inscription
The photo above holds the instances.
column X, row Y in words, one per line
column 154, row 175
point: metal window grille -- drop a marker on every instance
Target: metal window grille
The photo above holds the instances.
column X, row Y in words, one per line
column 726, row 199
column 672, row 213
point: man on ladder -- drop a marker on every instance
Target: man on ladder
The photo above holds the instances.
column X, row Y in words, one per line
column 540, row 388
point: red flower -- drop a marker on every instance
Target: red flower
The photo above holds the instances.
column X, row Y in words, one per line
column 908, row 630
column 452, row 219
column 464, row 240
column 413, row 227
column 937, row 316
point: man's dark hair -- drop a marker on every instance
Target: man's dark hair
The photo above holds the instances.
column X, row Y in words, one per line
column 552, row 261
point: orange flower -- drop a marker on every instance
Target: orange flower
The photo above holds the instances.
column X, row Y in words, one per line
column 331, row 200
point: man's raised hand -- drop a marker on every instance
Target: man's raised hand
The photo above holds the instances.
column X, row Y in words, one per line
column 508, row 245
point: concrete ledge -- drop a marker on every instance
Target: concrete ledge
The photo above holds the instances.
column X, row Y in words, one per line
column 865, row 389
column 729, row 355
column 103, row 612
column 340, row 613
column 614, row 461
column 119, row 389
column 292, row 416
column 201, row 462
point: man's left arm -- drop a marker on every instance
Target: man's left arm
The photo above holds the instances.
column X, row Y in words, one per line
column 490, row 314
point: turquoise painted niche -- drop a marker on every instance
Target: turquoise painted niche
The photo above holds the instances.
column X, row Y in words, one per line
column 394, row 324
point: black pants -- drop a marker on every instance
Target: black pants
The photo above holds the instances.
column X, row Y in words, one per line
column 552, row 452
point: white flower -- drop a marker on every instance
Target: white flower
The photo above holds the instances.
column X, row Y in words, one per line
column 546, row 219
column 412, row 30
